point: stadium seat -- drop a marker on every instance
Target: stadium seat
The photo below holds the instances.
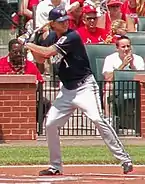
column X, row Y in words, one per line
column 124, row 86
column 127, row 98
column 137, row 38
column 141, row 24
column 103, row 50
column 139, row 50
column 99, row 50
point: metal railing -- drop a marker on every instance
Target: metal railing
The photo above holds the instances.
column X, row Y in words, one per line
column 124, row 110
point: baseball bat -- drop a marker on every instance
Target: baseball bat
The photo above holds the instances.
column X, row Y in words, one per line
column 40, row 28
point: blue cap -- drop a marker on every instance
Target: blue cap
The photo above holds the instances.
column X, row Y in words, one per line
column 58, row 14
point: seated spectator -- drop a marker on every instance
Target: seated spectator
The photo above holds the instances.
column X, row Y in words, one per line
column 123, row 58
column 129, row 7
column 75, row 17
column 118, row 28
column 113, row 13
column 89, row 33
column 16, row 63
column 75, row 20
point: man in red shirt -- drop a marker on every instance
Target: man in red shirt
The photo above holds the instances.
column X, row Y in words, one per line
column 16, row 63
column 89, row 33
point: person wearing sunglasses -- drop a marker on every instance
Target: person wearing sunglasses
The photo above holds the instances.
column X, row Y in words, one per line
column 114, row 12
column 89, row 33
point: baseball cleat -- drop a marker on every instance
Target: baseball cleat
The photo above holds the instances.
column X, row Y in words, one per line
column 127, row 167
column 49, row 172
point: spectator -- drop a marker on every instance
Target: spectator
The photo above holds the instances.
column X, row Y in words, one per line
column 26, row 8
column 118, row 28
column 113, row 13
column 16, row 63
column 22, row 17
column 75, row 17
column 89, row 33
column 123, row 58
column 134, row 7
column 129, row 8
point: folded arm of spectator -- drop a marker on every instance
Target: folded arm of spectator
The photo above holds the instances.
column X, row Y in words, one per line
column 24, row 9
column 130, row 24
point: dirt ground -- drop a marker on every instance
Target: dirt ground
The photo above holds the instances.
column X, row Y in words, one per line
column 73, row 174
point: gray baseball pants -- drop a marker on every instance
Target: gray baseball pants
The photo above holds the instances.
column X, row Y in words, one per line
column 87, row 98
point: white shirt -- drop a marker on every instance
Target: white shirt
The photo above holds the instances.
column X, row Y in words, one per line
column 113, row 62
column 43, row 9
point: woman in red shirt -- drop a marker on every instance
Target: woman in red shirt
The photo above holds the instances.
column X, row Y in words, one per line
column 113, row 13
column 129, row 8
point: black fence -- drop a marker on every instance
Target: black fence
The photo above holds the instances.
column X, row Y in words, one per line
column 123, row 102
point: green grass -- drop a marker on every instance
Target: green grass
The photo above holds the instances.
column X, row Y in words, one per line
column 71, row 155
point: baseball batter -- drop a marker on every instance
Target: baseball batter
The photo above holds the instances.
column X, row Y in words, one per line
column 79, row 90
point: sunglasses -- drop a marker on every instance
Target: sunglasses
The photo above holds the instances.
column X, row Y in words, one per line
column 114, row 6
column 90, row 18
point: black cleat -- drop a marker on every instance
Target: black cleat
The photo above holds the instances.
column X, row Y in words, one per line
column 49, row 172
column 127, row 167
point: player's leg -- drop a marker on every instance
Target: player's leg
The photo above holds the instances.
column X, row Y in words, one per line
column 91, row 106
column 56, row 117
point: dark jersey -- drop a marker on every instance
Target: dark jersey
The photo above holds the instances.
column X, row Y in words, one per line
column 72, row 59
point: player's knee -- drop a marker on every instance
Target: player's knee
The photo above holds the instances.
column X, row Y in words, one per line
column 49, row 123
column 97, row 120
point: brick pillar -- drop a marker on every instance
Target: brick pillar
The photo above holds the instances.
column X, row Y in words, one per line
column 17, row 107
column 141, row 79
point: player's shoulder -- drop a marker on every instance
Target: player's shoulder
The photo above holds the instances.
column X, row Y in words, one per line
column 49, row 40
column 69, row 36
column 73, row 34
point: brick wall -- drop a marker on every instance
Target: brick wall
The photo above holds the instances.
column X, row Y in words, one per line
column 17, row 107
column 141, row 78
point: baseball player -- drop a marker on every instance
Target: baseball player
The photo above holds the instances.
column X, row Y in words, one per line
column 79, row 89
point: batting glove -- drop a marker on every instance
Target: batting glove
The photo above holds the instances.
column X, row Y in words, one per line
column 27, row 37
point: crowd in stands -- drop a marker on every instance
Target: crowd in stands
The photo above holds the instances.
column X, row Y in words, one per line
column 86, row 17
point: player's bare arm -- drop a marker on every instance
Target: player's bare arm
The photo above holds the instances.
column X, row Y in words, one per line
column 42, row 52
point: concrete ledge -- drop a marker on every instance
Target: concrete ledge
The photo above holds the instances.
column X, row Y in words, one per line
column 14, row 79
column 74, row 141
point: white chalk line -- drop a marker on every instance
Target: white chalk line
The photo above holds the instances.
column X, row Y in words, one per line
column 68, row 165
column 80, row 175
column 72, row 177
column 64, row 179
